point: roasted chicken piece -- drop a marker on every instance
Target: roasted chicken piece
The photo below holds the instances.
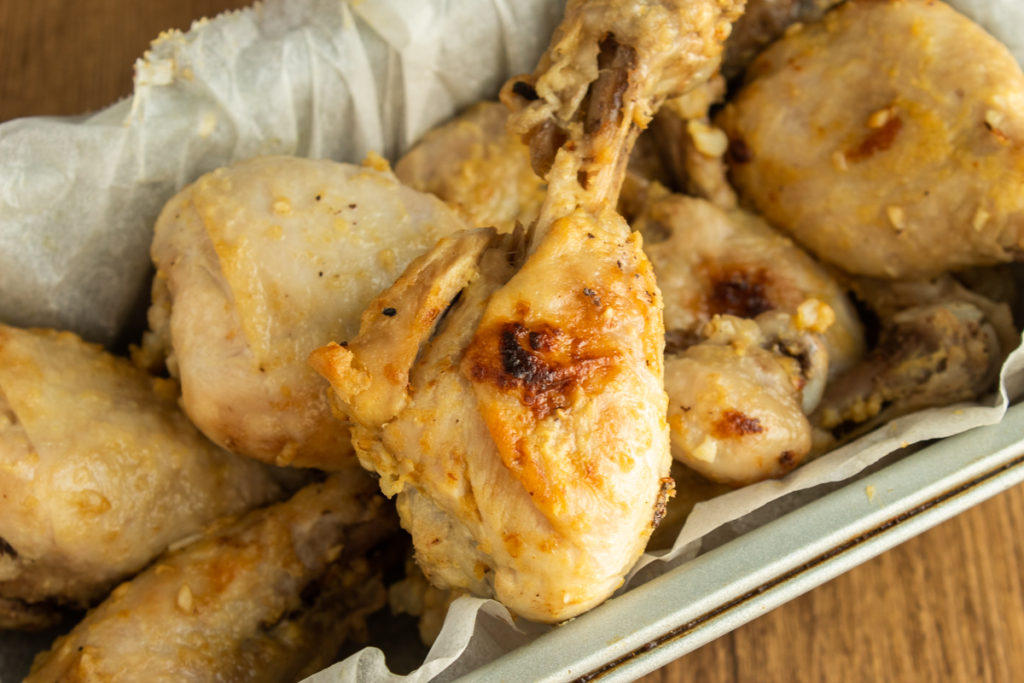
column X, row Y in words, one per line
column 939, row 343
column 739, row 399
column 888, row 138
column 99, row 472
column 267, row 597
column 707, row 262
column 478, row 168
column 740, row 391
column 514, row 402
column 259, row 263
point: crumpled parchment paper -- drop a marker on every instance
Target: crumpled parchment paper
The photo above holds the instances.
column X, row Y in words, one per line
column 333, row 79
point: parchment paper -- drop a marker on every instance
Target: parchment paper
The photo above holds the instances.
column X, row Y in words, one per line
column 334, row 79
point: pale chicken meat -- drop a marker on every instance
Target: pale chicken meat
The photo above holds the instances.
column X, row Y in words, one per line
column 887, row 138
column 99, row 472
column 267, row 597
column 261, row 262
column 514, row 402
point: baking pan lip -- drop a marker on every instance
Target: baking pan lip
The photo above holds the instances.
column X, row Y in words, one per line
column 718, row 591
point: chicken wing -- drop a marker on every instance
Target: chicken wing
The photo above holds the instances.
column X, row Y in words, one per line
column 261, row 262
column 526, row 441
column 268, row 597
column 99, row 472
column 887, row 138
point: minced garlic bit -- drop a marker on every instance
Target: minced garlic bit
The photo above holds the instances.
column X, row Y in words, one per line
column 376, row 162
column 707, row 451
column 881, row 117
column 994, row 118
column 185, row 601
column 709, row 140
column 980, row 218
column 282, row 207
column 814, row 315
column 869, row 491
column 896, row 217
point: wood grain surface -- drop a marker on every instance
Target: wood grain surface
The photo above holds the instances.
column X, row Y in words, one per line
column 946, row 606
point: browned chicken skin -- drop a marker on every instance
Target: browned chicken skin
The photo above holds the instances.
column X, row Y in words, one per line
column 267, row 597
column 526, row 439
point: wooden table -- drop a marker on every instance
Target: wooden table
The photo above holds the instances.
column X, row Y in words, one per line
column 946, row 606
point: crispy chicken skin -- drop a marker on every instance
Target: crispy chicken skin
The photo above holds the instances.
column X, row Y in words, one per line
column 99, row 472
column 267, row 597
column 888, row 138
column 261, row 262
column 523, row 430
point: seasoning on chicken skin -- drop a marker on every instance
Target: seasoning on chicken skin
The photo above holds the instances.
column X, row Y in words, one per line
column 527, row 441
column 99, row 472
column 266, row 597
column 939, row 343
column 887, row 138
column 261, row 262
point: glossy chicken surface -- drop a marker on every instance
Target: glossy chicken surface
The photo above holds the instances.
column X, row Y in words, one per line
column 887, row 138
column 267, row 597
column 259, row 263
column 99, row 472
column 526, row 440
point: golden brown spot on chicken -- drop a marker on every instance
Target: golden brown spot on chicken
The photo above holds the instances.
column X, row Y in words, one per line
column 739, row 151
column 787, row 460
column 878, row 140
column 513, row 544
column 738, row 291
column 544, row 365
column 733, row 423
